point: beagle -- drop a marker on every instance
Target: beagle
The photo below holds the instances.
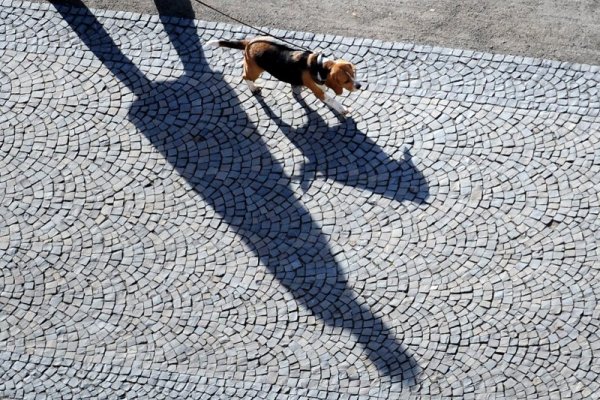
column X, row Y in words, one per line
column 297, row 67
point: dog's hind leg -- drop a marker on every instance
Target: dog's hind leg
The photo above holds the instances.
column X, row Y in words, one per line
column 252, row 86
column 251, row 74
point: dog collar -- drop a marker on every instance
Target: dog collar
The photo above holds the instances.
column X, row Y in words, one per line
column 320, row 75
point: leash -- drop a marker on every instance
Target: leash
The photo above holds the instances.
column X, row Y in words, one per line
column 250, row 26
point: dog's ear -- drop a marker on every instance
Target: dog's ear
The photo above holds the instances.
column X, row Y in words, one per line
column 333, row 78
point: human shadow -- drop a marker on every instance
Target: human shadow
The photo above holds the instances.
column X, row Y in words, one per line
column 198, row 125
column 343, row 153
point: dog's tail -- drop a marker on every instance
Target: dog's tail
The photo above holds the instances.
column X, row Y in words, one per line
column 232, row 44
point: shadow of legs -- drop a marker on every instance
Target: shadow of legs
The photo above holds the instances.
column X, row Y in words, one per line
column 233, row 170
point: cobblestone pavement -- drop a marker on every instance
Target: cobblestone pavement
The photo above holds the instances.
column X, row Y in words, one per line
column 164, row 234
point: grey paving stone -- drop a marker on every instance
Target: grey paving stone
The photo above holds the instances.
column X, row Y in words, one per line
column 164, row 233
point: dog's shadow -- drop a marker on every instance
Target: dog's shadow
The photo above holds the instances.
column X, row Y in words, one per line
column 343, row 153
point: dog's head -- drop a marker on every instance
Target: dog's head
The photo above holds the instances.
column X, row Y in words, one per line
column 342, row 75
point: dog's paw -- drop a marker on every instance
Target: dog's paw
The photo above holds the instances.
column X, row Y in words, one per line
column 336, row 106
column 253, row 87
column 343, row 112
column 213, row 44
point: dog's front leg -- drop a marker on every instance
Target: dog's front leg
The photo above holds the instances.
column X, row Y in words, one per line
column 333, row 103
column 320, row 92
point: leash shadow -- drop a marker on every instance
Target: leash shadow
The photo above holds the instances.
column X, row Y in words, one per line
column 226, row 161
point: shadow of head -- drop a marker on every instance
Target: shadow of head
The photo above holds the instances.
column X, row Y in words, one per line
column 343, row 153
column 197, row 124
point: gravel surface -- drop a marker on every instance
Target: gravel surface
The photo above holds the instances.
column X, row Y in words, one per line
column 551, row 29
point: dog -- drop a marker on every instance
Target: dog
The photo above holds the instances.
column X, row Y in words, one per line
column 296, row 67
